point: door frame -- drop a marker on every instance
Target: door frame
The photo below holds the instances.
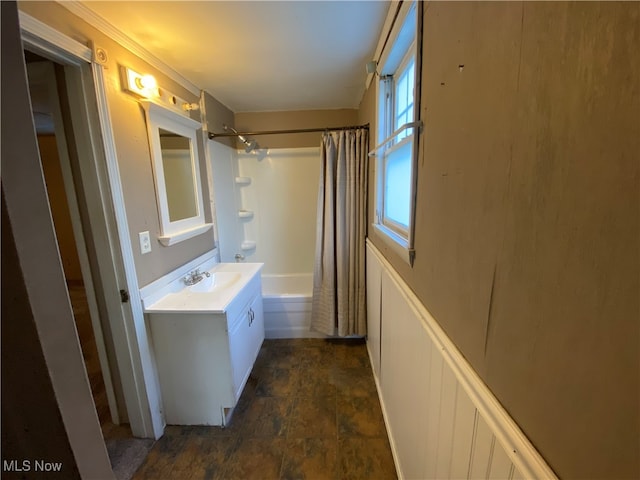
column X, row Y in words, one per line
column 108, row 222
column 43, row 74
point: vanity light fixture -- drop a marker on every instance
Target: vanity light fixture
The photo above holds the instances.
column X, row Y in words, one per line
column 190, row 106
column 146, row 86
column 147, row 82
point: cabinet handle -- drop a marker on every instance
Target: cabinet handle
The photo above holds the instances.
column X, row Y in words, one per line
column 251, row 316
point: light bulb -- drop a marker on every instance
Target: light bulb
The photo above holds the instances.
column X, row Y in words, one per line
column 148, row 82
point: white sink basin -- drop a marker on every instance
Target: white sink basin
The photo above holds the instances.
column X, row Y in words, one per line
column 215, row 281
column 212, row 294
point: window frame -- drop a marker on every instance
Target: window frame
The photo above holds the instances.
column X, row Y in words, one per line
column 402, row 52
column 410, row 57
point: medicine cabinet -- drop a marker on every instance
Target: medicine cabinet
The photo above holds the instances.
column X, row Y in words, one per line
column 176, row 170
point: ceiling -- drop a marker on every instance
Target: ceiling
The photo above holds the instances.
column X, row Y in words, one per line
column 259, row 55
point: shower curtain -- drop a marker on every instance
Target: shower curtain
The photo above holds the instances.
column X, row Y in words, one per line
column 339, row 303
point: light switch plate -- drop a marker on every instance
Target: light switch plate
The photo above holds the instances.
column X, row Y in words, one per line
column 145, row 242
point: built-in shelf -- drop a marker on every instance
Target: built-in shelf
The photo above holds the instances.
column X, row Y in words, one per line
column 168, row 240
column 245, row 214
column 248, row 245
column 243, row 180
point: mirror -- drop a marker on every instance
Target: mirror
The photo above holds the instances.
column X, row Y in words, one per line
column 176, row 168
column 178, row 175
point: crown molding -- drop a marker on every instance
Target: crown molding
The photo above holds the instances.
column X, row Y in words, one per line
column 92, row 18
column 41, row 36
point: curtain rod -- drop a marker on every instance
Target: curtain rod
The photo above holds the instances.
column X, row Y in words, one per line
column 280, row 132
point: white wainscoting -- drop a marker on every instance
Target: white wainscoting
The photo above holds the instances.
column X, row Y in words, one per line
column 442, row 420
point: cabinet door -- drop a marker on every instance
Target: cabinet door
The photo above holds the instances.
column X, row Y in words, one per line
column 257, row 327
column 244, row 343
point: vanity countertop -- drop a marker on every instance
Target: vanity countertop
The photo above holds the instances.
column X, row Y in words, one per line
column 212, row 294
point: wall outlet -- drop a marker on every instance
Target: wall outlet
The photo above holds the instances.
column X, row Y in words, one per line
column 145, row 242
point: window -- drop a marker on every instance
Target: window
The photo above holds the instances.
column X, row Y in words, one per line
column 396, row 135
column 404, row 95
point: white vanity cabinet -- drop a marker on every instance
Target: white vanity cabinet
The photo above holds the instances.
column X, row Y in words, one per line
column 204, row 358
column 245, row 338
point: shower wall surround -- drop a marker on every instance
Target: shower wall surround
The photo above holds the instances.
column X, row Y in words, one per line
column 266, row 206
column 282, row 195
column 266, row 211
column 224, row 170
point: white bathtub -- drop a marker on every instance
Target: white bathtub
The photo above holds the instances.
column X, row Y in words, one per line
column 287, row 306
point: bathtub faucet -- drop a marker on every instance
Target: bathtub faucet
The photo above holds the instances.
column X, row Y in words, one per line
column 194, row 277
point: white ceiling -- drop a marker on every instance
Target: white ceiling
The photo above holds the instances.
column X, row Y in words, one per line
column 259, row 55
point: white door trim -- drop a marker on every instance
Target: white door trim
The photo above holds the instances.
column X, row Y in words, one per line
column 133, row 352
column 49, row 41
column 149, row 421
column 42, row 73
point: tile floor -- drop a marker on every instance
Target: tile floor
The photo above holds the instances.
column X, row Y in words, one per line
column 309, row 411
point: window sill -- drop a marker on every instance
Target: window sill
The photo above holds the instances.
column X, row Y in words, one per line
column 398, row 244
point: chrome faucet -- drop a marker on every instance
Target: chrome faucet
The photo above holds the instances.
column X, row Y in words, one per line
column 194, row 277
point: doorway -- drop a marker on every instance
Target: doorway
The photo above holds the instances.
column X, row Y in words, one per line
column 55, row 155
column 60, row 161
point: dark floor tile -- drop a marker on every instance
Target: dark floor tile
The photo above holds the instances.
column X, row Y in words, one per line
column 313, row 417
column 357, row 382
column 369, row 458
column 359, row 416
column 160, row 460
column 173, row 431
column 348, row 341
column 265, row 417
column 294, row 342
column 215, row 454
column 255, row 458
column 315, row 382
column 187, row 458
column 210, row 431
column 349, row 355
column 309, row 410
column 172, row 441
column 250, row 386
column 319, row 355
column 276, row 357
column 277, row 382
column 310, row 458
column 235, row 419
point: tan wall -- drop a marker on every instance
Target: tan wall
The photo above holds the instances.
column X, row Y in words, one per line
column 255, row 121
column 132, row 146
column 218, row 115
column 527, row 227
column 367, row 114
